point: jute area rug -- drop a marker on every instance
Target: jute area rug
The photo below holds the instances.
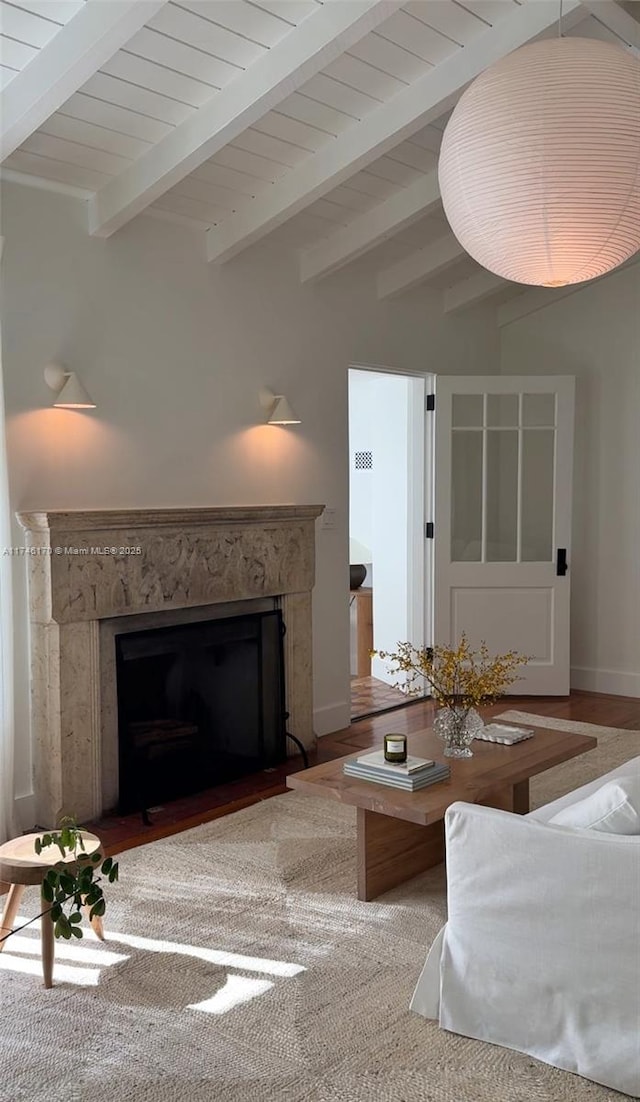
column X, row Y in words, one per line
column 241, row 968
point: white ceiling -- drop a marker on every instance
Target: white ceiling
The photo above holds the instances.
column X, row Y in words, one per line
column 317, row 122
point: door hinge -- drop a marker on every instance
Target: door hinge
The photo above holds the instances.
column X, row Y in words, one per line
column 429, row 530
column 430, row 403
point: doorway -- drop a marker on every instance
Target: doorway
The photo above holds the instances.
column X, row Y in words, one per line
column 390, row 484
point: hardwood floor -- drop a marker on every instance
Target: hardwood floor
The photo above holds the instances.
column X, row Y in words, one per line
column 369, row 695
column 119, row 833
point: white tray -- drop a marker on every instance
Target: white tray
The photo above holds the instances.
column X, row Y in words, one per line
column 504, row 733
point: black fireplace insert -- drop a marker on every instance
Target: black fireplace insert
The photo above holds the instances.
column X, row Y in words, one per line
column 199, row 704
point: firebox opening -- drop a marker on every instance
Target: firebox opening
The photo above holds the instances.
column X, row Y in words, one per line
column 199, row 704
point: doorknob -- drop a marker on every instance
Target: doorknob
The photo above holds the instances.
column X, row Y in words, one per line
column 561, row 562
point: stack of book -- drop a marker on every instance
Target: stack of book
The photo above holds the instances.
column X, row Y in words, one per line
column 410, row 775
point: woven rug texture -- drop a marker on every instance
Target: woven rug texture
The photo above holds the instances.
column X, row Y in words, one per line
column 240, row 967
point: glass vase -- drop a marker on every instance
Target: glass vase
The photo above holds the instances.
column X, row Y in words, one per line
column 457, row 726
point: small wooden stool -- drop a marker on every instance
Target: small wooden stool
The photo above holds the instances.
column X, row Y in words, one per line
column 20, row 865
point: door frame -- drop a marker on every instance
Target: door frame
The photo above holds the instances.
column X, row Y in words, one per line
column 421, row 490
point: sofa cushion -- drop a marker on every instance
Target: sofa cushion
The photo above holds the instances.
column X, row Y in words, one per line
column 545, row 813
column 613, row 808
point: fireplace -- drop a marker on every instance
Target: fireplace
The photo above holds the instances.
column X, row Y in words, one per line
column 199, row 704
column 93, row 576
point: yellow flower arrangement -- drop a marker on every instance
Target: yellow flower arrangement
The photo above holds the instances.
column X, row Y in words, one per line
column 459, row 677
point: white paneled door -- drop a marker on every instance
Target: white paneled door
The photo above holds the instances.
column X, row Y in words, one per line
column 503, row 462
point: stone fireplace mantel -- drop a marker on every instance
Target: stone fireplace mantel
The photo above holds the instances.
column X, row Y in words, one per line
column 88, row 567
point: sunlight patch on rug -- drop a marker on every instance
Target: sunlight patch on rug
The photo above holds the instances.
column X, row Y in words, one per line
column 237, row 990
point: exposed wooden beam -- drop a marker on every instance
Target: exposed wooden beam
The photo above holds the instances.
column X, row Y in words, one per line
column 306, row 50
column 90, row 38
column 42, row 183
column 419, row 267
column 618, row 21
column 400, row 117
column 537, row 298
column 476, row 288
column 369, row 229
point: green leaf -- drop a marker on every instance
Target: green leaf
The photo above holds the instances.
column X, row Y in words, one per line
column 56, row 911
column 95, row 857
column 62, row 927
column 75, row 917
column 98, row 909
column 47, row 891
column 113, row 875
column 76, row 931
column 107, row 865
column 38, row 846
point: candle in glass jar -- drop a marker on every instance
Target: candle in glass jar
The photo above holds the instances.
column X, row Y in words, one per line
column 395, row 748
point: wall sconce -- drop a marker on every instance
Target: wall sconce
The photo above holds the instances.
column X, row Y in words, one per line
column 70, row 393
column 280, row 412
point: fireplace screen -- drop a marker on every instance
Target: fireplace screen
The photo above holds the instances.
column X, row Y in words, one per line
column 199, row 704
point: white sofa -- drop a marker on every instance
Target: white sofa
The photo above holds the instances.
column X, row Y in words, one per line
column 541, row 950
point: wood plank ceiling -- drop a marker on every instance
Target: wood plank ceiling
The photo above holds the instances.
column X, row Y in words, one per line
column 189, row 55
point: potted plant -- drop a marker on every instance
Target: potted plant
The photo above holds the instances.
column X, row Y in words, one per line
column 73, row 883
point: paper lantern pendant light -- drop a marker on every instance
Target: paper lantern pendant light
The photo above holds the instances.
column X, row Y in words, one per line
column 540, row 163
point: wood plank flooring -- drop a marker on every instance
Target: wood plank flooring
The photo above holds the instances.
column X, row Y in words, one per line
column 119, row 833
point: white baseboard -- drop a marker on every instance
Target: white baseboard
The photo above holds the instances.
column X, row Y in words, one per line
column 25, row 811
column 616, row 682
column 334, row 717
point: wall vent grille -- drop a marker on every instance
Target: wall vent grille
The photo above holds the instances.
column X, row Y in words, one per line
column 363, row 461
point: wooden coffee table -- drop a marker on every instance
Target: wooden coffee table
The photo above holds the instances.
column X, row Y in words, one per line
column 402, row 833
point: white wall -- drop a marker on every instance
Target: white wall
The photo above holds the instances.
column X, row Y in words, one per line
column 594, row 334
column 174, row 350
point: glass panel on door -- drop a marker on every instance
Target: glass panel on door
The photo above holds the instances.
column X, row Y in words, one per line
column 501, row 506
column 466, row 496
column 503, row 471
column 538, row 446
column 502, row 410
column 467, row 411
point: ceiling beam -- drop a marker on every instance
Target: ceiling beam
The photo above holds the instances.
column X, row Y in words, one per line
column 618, row 21
column 77, row 51
column 537, row 298
column 476, row 288
column 419, row 267
column 371, row 228
column 305, row 51
column 386, row 126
